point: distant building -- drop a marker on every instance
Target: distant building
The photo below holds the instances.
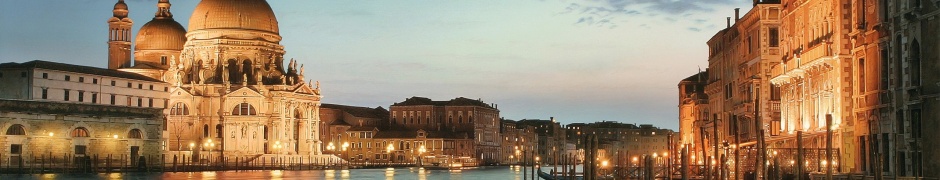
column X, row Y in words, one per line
column 551, row 137
column 620, row 141
column 459, row 115
column 340, row 122
column 517, row 138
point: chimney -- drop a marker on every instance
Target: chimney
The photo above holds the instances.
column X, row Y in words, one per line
column 729, row 22
column 552, row 118
column 737, row 15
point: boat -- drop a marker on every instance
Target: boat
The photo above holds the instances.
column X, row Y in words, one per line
column 547, row 176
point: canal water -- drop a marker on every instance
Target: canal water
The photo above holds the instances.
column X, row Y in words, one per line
column 484, row 173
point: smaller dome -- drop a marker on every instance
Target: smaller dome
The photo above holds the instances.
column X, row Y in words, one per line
column 120, row 9
column 161, row 34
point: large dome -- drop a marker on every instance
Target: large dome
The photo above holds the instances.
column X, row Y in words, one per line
column 161, row 34
column 233, row 14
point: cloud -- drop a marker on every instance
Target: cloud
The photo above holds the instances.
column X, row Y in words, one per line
column 694, row 29
column 594, row 11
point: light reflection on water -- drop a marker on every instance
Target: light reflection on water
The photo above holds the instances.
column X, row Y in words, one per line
column 485, row 173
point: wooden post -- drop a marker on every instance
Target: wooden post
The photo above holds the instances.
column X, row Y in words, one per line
column 829, row 148
column 685, row 163
column 799, row 155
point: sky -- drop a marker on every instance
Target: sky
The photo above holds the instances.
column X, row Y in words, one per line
column 574, row 60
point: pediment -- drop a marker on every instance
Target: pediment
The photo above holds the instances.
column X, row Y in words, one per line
column 244, row 92
column 179, row 91
column 304, row 89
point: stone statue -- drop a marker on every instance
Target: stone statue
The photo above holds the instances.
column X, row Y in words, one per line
column 318, row 85
column 179, row 78
column 202, row 76
column 225, row 75
column 244, row 79
column 283, row 80
column 301, row 69
column 258, row 77
column 172, row 61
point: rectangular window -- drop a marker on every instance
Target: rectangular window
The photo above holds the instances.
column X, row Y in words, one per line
column 140, row 86
column 129, row 85
column 162, row 60
column 774, row 37
column 112, row 99
column 94, row 98
column 113, row 83
column 94, row 81
column 884, row 69
column 45, row 75
column 861, row 76
column 80, row 149
column 66, row 95
column 915, row 123
column 151, row 87
column 129, row 101
column 68, row 78
column 150, row 102
column 81, row 96
column 45, row 93
column 166, row 89
column 140, row 102
column 16, row 149
column 81, row 79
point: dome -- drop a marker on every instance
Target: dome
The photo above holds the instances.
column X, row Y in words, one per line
column 161, row 34
column 120, row 9
column 233, row 14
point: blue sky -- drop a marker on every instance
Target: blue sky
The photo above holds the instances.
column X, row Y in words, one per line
column 575, row 60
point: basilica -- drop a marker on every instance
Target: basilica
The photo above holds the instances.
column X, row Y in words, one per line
column 231, row 92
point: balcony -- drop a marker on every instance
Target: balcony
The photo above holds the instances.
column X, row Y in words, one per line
column 817, row 56
column 775, row 106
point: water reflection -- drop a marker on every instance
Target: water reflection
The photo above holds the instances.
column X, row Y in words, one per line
column 276, row 174
column 389, row 173
column 485, row 173
column 330, row 174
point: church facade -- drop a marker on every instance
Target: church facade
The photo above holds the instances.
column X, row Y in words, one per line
column 230, row 90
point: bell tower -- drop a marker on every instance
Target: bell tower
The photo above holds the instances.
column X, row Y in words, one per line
column 119, row 37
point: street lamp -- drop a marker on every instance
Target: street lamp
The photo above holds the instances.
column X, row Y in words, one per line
column 277, row 150
column 345, row 147
column 421, row 151
column 208, row 145
column 388, row 150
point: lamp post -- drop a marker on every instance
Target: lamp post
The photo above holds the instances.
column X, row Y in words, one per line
column 345, row 154
column 388, row 150
column 208, row 145
column 277, row 151
column 421, row 151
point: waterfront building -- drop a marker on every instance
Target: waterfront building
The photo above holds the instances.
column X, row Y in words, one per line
column 516, row 139
column 339, row 122
column 34, row 129
column 480, row 121
column 551, row 137
column 80, row 85
column 895, row 44
column 693, row 113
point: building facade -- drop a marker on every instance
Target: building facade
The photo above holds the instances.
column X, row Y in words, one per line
column 230, row 91
column 459, row 115
column 33, row 129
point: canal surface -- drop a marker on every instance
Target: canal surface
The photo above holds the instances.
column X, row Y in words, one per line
column 484, row 173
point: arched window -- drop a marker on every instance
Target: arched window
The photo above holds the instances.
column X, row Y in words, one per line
column 80, row 132
column 179, row 109
column 135, row 134
column 16, row 129
column 244, row 109
column 205, row 130
column 218, row 130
